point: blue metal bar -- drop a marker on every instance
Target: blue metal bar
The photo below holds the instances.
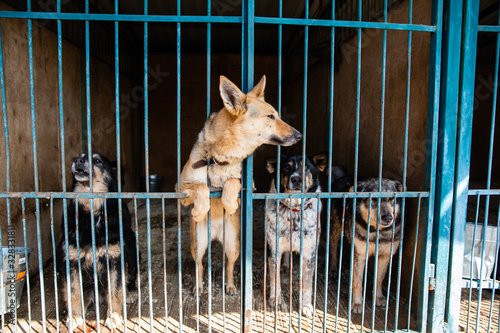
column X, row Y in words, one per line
column 351, row 24
column 405, row 165
column 446, row 157
column 247, row 62
column 175, row 195
column 316, row 247
column 412, row 267
column 28, row 288
column 304, row 141
column 178, row 109
column 53, row 238
column 139, row 320
column 330, row 164
column 119, row 17
column 431, row 162
column 209, row 217
column 340, row 266
column 108, row 272
column 488, row 28
column 35, row 172
column 466, row 107
column 164, row 241
column 221, row 19
column 7, row 158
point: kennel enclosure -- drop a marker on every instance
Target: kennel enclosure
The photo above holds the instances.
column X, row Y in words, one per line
column 397, row 89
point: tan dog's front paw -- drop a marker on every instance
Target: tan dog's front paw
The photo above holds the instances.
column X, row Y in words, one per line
column 230, row 289
column 230, row 194
column 199, row 213
column 229, row 206
column 114, row 321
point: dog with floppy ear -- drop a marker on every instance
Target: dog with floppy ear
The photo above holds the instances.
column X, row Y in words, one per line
column 246, row 122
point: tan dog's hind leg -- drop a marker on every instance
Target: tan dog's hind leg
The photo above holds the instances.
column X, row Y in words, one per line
column 200, row 196
column 230, row 193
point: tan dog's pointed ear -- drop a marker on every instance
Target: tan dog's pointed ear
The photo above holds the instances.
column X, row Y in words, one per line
column 320, row 161
column 234, row 100
column 271, row 164
column 258, row 90
column 351, row 189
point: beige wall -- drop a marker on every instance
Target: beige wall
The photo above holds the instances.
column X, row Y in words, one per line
column 46, row 83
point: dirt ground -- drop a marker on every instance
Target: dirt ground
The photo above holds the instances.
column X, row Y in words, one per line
column 166, row 303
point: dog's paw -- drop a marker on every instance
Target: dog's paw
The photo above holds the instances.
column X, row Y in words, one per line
column 230, row 206
column 230, row 290
column 75, row 321
column 357, row 308
column 272, row 302
column 380, row 301
column 307, row 310
column 199, row 213
column 200, row 291
column 114, row 321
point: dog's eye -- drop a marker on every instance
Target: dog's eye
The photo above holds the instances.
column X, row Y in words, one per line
column 271, row 116
column 97, row 161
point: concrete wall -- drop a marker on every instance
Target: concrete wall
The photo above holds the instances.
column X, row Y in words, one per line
column 46, row 100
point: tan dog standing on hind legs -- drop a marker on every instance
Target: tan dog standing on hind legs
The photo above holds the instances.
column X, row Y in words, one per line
column 227, row 138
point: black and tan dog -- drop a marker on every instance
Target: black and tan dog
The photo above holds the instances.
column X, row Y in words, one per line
column 78, row 240
column 291, row 214
column 367, row 213
column 228, row 137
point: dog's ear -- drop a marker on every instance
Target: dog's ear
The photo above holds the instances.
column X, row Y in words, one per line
column 271, row 164
column 320, row 161
column 400, row 186
column 258, row 90
column 351, row 189
column 234, row 100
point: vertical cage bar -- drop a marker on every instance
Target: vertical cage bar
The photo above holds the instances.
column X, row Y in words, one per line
column 53, row 238
column 7, row 160
column 330, row 164
column 445, row 166
column 247, row 61
column 431, row 161
column 35, row 173
column 28, row 288
column 466, row 107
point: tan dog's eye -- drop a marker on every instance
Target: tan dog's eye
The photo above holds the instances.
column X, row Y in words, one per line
column 271, row 117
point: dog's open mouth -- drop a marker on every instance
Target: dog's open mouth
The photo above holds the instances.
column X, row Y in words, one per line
column 81, row 175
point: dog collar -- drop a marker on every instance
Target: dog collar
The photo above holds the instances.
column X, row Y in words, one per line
column 203, row 162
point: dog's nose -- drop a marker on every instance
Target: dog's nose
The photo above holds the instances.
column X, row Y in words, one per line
column 80, row 163
column 387, row 219
column 295, row 180
column 297, row 136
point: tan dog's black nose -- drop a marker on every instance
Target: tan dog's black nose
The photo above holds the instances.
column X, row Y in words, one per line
column 297, row 136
